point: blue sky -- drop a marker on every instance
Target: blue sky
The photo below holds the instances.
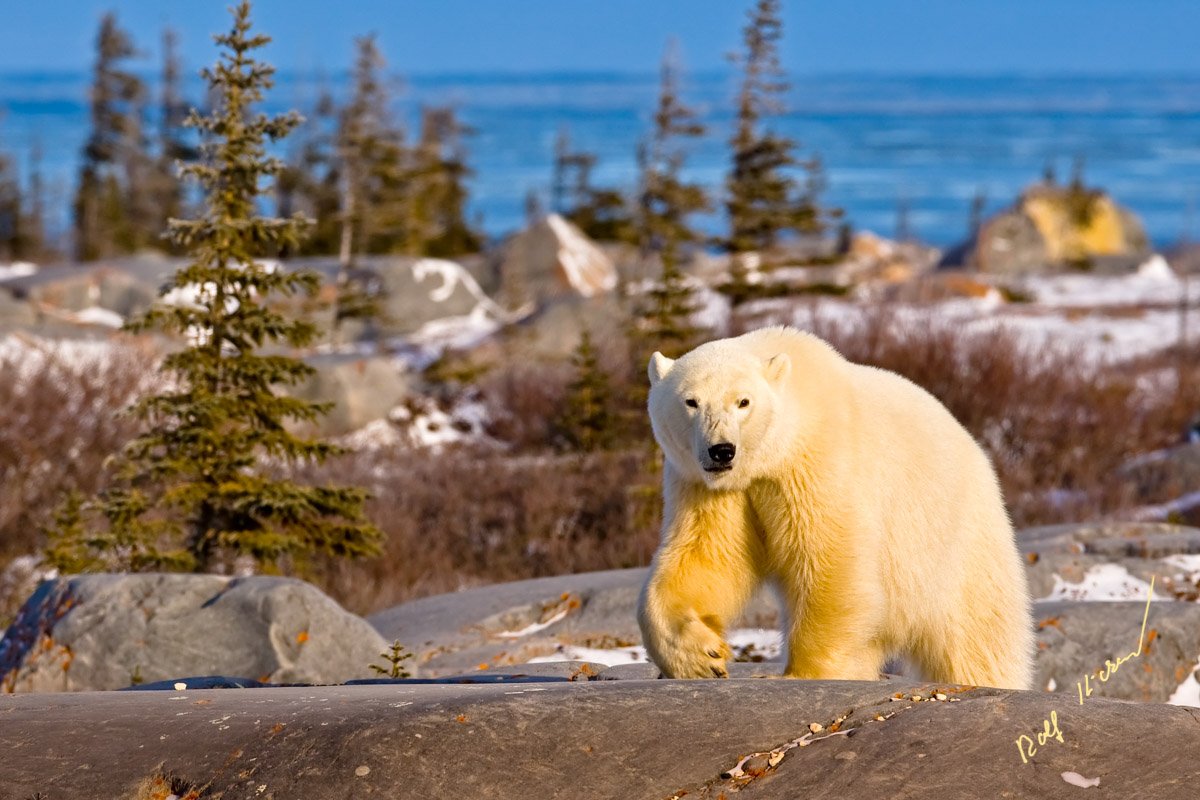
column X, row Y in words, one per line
column 422, row 36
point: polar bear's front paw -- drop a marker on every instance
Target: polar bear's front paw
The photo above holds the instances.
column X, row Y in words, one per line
column 698, row 652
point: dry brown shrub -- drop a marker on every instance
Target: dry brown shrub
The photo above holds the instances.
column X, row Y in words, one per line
column 468, row 518
column 60, row 423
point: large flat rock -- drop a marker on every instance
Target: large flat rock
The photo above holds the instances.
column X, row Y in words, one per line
column 635, row 739
column 511, row 623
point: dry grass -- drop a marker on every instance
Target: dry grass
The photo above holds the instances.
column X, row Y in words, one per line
column 470, row 518
column 60, row 423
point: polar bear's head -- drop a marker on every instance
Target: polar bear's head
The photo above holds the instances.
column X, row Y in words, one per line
column 713, row 412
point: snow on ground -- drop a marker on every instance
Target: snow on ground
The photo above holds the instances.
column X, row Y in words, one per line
column 534, row 627
column 1188, row 692
column 1096, row 336
column 1154, row 283
column 95, row 315
column 24, row 355
column 1189, row 564
column 17, row 269
column 1100, row 583
column 757, row 644
column 423, row 423
column 1163, row 512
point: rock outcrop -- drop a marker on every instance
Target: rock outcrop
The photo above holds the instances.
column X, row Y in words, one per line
column 561, row 739
column 550, row 260
column 94, row 632
column 1051, row 228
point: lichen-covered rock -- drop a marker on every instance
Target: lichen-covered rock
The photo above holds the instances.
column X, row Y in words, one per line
column 1051, row 227
column 97, row 632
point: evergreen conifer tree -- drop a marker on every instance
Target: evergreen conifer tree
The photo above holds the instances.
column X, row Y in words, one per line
column 114, row 205
column 11, row 215
column 763, row 197
column 600, row 212
column 588, row 421
column 196, row 490
column 438, row 225
column 310, row 183
column 665, row 204
column 174, row 147
column 371, row 162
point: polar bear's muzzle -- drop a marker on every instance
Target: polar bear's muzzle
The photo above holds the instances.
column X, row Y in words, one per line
column 720, row 457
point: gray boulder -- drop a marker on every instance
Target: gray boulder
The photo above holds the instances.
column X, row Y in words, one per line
column 553, row 259
column 362, row 389
column 593, row 616
column 97, row 632
column 497, row 627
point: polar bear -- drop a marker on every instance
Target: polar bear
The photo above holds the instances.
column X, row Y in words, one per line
column 874, row 514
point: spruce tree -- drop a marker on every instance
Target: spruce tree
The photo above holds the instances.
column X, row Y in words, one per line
column 438, row 225
column 763, row 196
column 600, row 212
column 588, row 422
column 36, row 242
column 174, row 146
column 114, row 207
column 371, row 155
column 10, row 211
column 311, row 182
column 665, row 204
column 198, row 488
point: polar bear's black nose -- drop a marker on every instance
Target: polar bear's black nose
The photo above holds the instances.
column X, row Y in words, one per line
column 722, row 453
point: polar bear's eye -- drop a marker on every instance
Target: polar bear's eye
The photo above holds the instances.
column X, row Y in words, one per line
column 691, row 403
column 744, row 402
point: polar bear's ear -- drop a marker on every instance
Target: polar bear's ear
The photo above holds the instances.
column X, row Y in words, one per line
column 777, row 368
column 660, row 365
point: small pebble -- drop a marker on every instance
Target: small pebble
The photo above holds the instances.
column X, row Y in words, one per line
column 180, row 686
column 940, row 696
column 362, row 771
column 916, row 698
column 816, row 727
column 774, row 759
column 848, row 755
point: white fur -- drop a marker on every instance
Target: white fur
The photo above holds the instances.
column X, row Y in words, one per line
column 855, row 492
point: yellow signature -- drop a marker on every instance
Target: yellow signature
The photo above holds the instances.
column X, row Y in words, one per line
column 1050, row 730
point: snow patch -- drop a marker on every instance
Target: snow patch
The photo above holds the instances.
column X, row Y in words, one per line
column 1162, row 512
column 1101, row 583
column 17, row 269
column 609, row 658
column 746, row 642
column 1075, row 779
column 1188, row 692
column 534, row 627
column 95, row 315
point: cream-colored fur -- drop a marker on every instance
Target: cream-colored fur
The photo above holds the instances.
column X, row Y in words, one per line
column 873, row 512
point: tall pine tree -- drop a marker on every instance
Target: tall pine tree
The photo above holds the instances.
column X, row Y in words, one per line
column 311, row 181
column 438, row 225
column 764, row 198
column 665, row 203
column 174, row 145
column 114, row 206
column 371, row 162
column 600, row 212
column 196, row 490
column 11, row 212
